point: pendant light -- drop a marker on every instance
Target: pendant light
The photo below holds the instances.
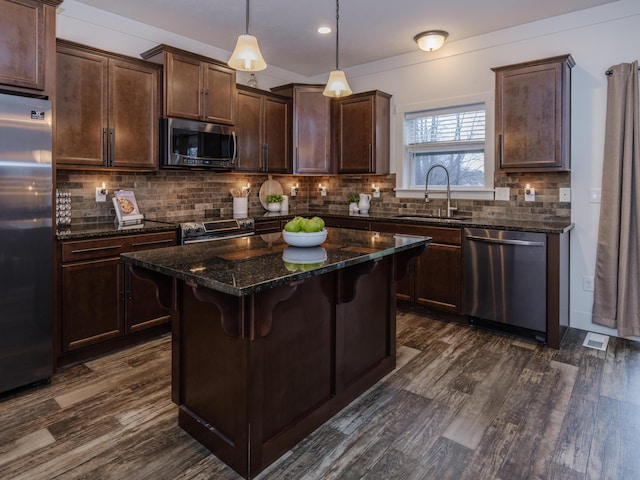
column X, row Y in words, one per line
column 246, row 56
column 337, row 85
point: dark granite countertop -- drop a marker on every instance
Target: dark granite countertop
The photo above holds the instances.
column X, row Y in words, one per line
column 97, row 230
column 251, row 264
column 81, row 232
column 474, row 222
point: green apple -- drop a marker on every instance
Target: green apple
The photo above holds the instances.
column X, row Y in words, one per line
column 292, row 226
column 292, row 267
column 319, row 221
column 310, row 225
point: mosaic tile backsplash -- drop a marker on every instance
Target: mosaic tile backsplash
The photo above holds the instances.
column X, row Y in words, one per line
column 180, row 195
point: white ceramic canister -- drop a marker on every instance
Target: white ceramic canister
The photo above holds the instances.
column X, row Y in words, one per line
column 240, row 207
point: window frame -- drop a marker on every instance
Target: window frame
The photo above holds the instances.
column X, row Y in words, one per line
column 403, row 166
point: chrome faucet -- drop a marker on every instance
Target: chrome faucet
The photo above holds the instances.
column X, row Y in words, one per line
column 450, row 209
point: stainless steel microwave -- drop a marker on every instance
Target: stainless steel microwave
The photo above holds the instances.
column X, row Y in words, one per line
column 188, row 144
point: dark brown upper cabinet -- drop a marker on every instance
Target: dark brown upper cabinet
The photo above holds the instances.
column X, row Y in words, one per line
column 195, row 87
column 264, row 123
column 361, row 133
column 107, row 112
column 311, row 128
column 533, row 115
column 27, row 46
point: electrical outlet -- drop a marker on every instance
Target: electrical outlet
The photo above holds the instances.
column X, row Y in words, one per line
column 531, row 196
column 588, row 283
column 565, row 195
column 502, row 194
column 101, row 194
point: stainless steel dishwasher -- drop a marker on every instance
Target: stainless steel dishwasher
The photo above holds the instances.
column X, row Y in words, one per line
column 505, row 276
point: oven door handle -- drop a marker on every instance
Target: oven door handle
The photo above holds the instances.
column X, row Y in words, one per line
column 214, row 239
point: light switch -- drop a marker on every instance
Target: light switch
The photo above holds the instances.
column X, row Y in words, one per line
column 595, row 195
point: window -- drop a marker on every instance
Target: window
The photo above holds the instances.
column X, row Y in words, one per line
column 453, row 135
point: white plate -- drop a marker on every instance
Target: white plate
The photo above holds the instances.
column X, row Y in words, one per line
column 304, row 239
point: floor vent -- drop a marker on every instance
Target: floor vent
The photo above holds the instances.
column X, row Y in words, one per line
column 597, row 341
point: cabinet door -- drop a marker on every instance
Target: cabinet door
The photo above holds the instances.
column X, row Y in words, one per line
column 133, row 114
column 355, row 137
column 141, row 306
column 438, row 280
column 276, row 135
column 311, row 131
column 219, row 93
column 81, row 109
column 91, row 303
column 250, row 145
column 533, row 115
column 184, row 89
column 22, row 43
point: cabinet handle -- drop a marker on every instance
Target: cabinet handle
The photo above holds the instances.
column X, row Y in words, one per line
column 499, row 151
column 112, row 147
column 96, row 249
column 105, row 147
column 370, row 157
column 155, row 242
column 266, row 156
column 204, row 104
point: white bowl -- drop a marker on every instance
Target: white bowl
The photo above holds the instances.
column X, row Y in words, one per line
column 304, row 239
column 304, row 256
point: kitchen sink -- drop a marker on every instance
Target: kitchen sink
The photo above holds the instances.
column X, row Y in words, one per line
column 432, row 218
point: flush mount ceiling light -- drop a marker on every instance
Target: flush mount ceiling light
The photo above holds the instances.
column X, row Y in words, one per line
column 431, row 40
column 337, row 85
column 246, row 56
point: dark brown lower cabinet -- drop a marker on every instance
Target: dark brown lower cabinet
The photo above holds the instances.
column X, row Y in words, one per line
column 435, row 278
column 100, row 302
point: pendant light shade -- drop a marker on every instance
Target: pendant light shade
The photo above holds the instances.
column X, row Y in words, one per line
column 337, row 85
column 246, row 56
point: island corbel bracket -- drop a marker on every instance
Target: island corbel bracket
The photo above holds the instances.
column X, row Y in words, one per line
column 348, row 279
column 227, row 306
column 162, row 283
column 260, row 325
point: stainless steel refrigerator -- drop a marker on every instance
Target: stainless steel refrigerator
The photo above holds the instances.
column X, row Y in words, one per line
column 26, row 242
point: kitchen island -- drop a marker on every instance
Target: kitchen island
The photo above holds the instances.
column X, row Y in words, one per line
column 271, row 341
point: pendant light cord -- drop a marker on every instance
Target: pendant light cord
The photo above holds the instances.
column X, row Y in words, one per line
column 247, row 24
column 337, row 30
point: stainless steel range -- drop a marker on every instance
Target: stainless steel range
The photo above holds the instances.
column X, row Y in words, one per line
column 209, row 231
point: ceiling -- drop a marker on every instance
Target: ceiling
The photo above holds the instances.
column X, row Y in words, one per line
column 370, row 30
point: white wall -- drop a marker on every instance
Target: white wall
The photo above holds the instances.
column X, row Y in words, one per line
column 597, row 38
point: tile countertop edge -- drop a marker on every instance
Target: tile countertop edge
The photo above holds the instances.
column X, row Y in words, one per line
column 138, row 259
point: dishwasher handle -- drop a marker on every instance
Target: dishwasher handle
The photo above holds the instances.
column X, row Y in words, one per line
column 521, row 243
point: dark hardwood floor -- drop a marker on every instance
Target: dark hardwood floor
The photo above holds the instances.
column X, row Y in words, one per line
column 462, row 404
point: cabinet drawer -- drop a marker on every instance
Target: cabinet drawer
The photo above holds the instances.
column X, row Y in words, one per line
column 444, row 235
column 150, row 241
column 90, row 249
column 74, row 251
column 354, row 223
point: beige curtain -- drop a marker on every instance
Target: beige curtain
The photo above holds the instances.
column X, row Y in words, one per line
column 617, row 286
